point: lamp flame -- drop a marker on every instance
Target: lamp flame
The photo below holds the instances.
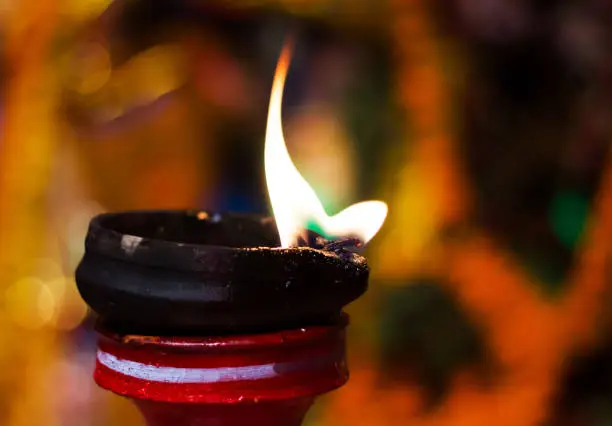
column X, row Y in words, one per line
column 294, row 202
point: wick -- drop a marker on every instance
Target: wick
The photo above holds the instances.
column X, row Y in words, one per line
column 343, row 244
column 321, row 243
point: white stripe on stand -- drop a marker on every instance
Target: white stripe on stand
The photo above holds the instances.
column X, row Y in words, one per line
column 154, row 373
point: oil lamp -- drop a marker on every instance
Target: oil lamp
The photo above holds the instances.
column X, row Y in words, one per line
column 227, row 319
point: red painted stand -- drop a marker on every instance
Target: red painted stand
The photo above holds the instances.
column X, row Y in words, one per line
column 263, row 379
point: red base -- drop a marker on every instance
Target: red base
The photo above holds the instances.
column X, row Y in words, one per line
column 279, row 413
column 265, row 379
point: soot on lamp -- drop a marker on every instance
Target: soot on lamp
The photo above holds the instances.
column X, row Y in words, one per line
column 192, row 272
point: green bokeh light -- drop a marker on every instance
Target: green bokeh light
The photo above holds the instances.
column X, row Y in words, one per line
column 568, row 216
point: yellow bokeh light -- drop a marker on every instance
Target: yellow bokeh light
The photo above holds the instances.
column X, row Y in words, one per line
column 91, row 70
column 150, row 75
column 82, row 10
column 30, row 303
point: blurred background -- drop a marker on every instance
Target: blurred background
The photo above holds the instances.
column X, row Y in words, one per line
column 485, row 125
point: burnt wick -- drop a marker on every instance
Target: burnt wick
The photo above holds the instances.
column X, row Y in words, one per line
column 316, row 241
column 343, row 244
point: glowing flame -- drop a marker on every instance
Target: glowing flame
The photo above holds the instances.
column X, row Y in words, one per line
column 294, row 202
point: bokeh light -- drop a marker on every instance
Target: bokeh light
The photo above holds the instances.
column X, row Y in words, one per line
column 30, row 303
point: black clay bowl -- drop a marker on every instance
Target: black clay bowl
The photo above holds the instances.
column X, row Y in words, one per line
column 193, row 272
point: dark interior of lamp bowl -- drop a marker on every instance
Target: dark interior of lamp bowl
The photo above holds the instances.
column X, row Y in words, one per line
column 197, row 227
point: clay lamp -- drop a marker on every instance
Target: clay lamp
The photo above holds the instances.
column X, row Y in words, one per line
column 226, row 319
